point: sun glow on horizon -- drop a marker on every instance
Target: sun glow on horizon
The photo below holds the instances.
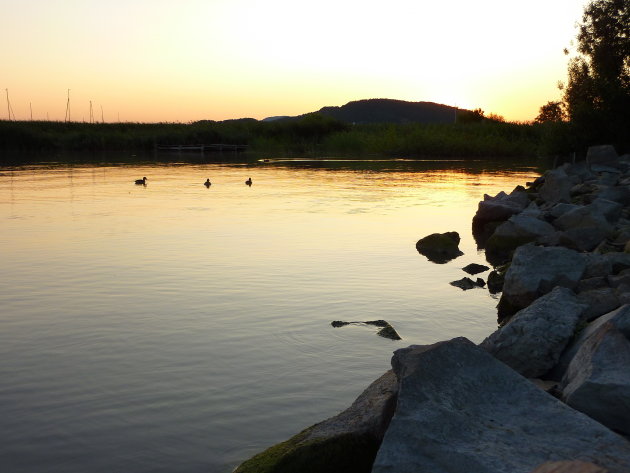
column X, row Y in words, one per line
column 156, row 60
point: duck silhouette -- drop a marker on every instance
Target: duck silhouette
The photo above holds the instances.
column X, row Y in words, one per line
column 142, row 181
column 249, row 181
column 207, row 183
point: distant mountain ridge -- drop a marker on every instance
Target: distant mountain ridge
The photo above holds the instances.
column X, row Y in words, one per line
column 386, row 111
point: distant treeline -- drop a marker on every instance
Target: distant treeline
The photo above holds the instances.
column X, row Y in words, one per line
column 313, row 134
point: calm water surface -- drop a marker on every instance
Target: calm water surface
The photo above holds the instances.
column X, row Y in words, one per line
column 179, row 328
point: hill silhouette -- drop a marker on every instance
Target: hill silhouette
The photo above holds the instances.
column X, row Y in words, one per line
column 391, row 111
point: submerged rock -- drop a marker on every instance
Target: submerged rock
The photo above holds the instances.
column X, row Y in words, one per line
column 474, row 268
column 386, row 331
column 461, row 410
column 440, row 247
column 467, row 283
column 347, row 442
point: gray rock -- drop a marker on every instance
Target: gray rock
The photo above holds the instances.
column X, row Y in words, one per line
column 599, row 301
column 598, row 379
column 537, row 270
column 619, row 194
column 557, row 187
column 620, row 318
column 589, row 284
column 350, row 439
column 616, row 280
column 574, row 466
column 585, row 227
column 618, row 261
column 603, row 154
column 597, row 266
column 516, row 231
column 560, row 209
column 500, row 207
column 532, row 341
column 461, row 410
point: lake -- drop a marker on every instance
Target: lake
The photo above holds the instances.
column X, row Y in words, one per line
column 177, row 328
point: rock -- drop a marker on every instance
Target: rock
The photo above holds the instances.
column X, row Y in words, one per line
column 467, row 283
column 618, row 261
column 532, row 341
column 598, row 379
column 386, row 331
column 597, row 266
column 440, row 247
column 346, row 442
column 495, row 281
column 534, row 272
column 474, row 268
column 599, row 301
column 585, row 227
column 588, row 284
column 516, row 231
column 620, row 318
column 557, row 187
column 461, row 410
column 574, row 466
column 604, row 154
column 497, row 209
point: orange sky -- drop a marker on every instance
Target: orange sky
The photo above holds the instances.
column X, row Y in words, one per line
column 161, row 60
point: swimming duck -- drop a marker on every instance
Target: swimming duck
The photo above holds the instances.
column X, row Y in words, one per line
column 207, row 183
column 249, row 181
column 142, row 181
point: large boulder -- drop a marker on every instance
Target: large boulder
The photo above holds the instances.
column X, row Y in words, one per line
column 517, row 230
column 440, row 247
column 620, row 318
column 585, row 227
column 461, row 410
column 535, row 271
column 603, row 154
column 347, row 442
column 493, row 210
column 557, row 187
column 532, row 341
column 598, row 379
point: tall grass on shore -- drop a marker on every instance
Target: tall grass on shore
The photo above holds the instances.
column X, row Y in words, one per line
column 312, row 134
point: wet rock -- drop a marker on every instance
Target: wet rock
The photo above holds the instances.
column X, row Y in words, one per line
column 440, row 247
column 474, row 268
column 495, row 281
column 386, row 331
column 597, row 382
column 464, row 283
column 346, row 442
column 532, row 341
column 461, row 410
column 535, row 271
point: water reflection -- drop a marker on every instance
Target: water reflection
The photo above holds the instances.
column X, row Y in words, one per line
column 175, row 328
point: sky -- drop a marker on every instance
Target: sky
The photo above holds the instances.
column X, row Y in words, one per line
column 188, row 60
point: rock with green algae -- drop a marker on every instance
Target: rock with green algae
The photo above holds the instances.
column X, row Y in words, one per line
column 440, row 247
column 345, row 443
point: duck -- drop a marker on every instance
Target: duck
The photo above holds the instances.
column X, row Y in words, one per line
column 142, row 181
column 207, row 183
column 249, row 181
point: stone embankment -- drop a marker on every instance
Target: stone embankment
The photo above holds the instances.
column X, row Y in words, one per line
column 549, row 391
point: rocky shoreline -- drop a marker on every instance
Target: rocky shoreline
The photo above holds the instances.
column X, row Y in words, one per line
column 549, row 391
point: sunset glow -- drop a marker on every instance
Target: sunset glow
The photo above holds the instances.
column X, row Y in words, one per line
column 164, row 61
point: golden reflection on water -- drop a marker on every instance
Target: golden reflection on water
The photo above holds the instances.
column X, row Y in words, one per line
column 215, row 303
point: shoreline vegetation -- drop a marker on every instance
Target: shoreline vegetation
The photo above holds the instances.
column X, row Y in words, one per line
column 472, row 136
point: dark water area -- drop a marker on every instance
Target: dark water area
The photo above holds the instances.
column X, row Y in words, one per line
column 178, row 327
